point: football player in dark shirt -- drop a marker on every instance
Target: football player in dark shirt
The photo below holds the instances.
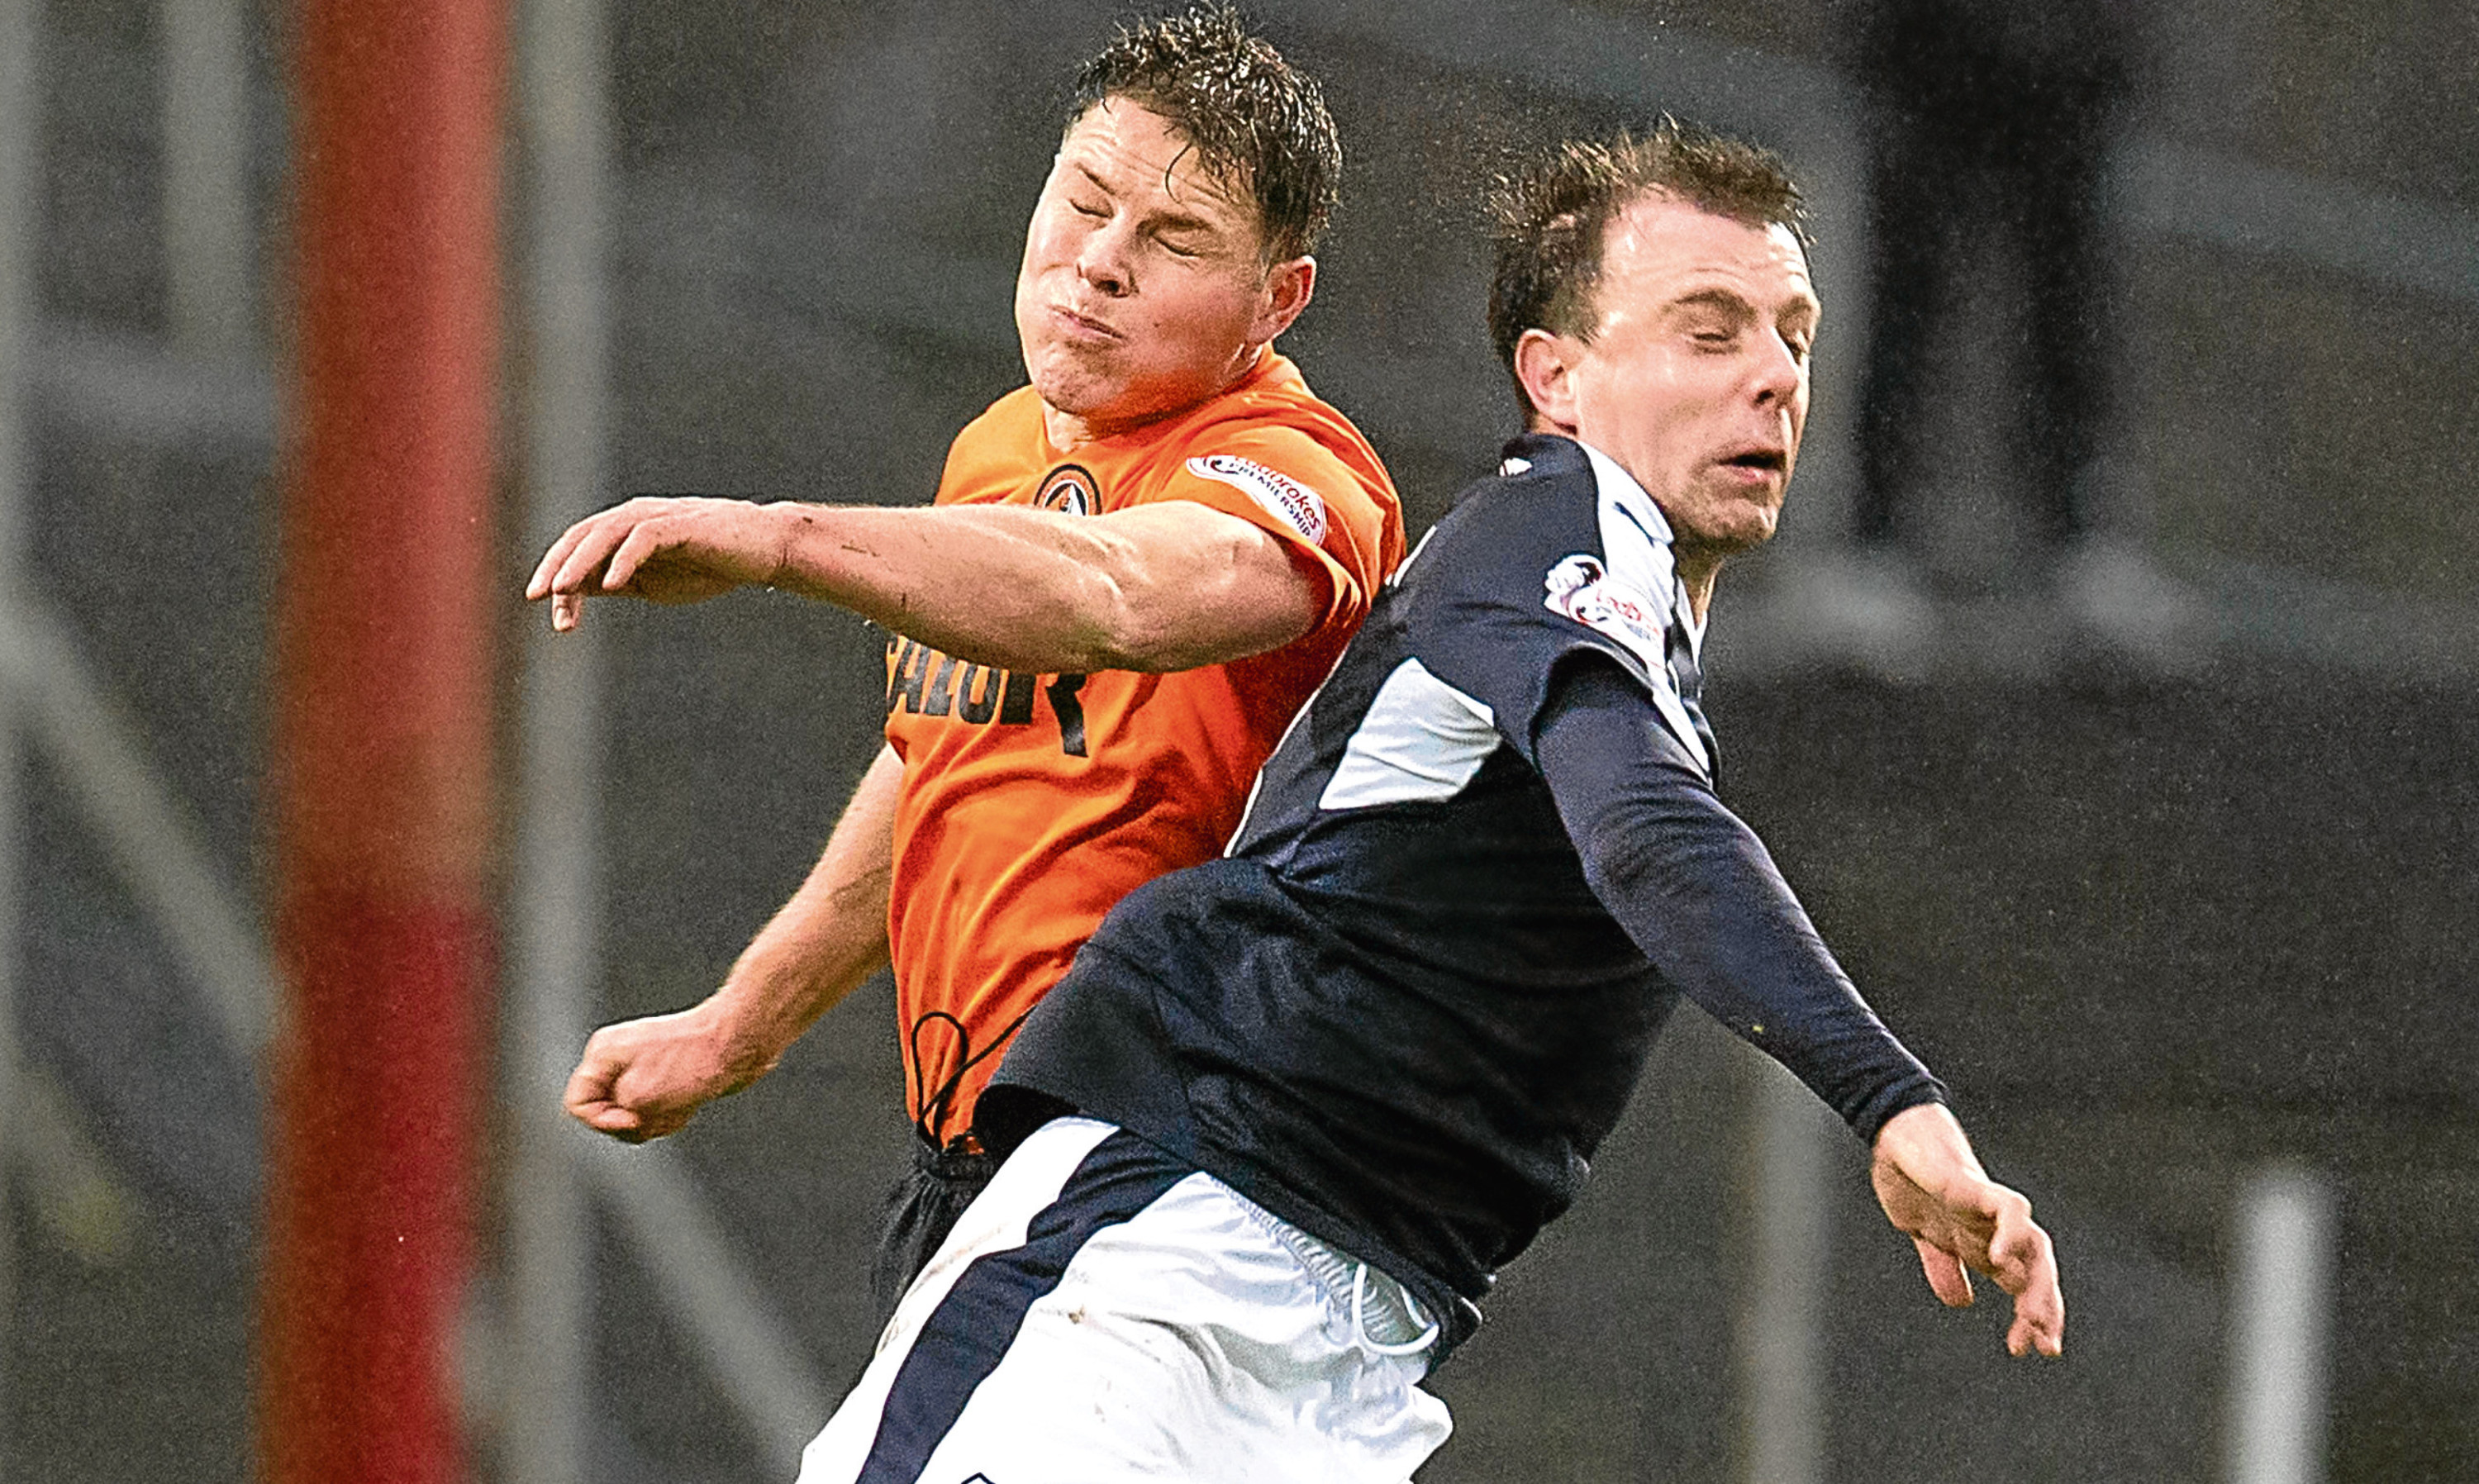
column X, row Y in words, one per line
column 1291, row 1110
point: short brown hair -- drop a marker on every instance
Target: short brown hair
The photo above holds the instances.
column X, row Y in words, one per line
column 1549, row 216
column 1256, row 121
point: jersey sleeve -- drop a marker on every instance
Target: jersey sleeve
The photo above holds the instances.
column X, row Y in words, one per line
column 1700, row 896
column 1335, row 520
column 1531, row 572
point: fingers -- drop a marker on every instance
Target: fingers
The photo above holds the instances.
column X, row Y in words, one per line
column 1934, row 1192
column 551, row 578
column 2025, row 1264
column 672, row 550
column 644, row 1078
column 584, row 562
column 619, row 1122
column 588, row 1096
column 594, row 1098
column 539, row 585
column 584, row 569
column 2020, row 1256
column 1946, row 1275
column 628, row 1125
column 2031, row 1332
column 644, row 540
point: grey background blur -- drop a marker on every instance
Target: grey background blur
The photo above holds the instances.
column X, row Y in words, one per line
column 2171, row 879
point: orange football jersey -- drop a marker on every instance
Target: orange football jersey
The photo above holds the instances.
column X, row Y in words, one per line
column 1032, row 803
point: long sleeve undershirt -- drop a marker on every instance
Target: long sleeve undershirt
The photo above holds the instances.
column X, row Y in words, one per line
column 1699, row 894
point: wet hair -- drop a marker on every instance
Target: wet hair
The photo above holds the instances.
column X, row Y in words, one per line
column 1258, row 123
column 1549, row 218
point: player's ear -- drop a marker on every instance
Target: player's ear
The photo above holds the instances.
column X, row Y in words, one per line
column 1289, row 286
column 1545, row 367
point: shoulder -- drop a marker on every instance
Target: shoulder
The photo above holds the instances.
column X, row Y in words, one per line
column 1554, row 511
column 1540, row 483
column 1559, row 551
column 1273, row 417
column 1269, row 446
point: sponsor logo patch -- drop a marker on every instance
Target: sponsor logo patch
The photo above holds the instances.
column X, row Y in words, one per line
column 1068, row 490
column 1286, row 500
column 1580, row 588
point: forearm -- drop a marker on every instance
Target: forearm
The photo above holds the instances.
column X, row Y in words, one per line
column 1700, row 896
column 828, row 938
column 1153, row 588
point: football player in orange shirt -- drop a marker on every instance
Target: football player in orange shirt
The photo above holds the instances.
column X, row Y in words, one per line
column 1138, row 566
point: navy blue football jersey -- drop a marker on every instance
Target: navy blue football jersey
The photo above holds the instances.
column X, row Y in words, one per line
column 1486, row 860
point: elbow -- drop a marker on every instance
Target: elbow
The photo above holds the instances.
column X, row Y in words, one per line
column 1154, row 632
column 1130, row 622
column 1119, row 624
column 1089, row 624
column 1622, row 854
column 1158, row 622
column 1100, row 612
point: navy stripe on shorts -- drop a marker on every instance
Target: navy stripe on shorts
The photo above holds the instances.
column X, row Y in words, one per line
column 966, row 1336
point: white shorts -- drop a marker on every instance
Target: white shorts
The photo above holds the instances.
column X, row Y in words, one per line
column 1101, row 1313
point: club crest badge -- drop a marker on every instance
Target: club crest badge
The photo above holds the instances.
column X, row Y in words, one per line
column 1285, row 498
column 1580, row 588
column 1068, row 490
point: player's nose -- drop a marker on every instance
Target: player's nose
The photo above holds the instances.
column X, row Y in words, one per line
column 1103, row 261
column 1778, row 373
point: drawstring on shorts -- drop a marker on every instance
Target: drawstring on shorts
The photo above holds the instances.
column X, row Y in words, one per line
column 1398, row 1310
column 1360, row 1321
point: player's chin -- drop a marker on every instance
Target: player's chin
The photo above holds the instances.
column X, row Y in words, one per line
column 1077, row 379
column 1114, row 396
column 1742, row 526
column 1069, row 380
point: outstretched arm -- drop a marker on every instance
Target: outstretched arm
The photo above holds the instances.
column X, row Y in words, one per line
column 1934, row 1191
column 643, row 1079
column 1698, row 893
column 1164, row 586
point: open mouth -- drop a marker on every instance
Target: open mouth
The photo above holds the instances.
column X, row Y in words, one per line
column 1758, row 460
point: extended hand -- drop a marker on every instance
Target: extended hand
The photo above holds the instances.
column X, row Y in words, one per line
column 1934, row 1191
column 669, row 549
column 643, row 1079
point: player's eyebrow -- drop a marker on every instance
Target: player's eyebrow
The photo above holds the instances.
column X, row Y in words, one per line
column 1802, row 310
column 1179, row 221
column 1162, row 220
column 1732, row 304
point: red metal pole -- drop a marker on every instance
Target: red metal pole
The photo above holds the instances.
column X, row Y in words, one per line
column 383, row 739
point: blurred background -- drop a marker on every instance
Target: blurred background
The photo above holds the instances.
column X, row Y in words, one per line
column 2111, row 696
